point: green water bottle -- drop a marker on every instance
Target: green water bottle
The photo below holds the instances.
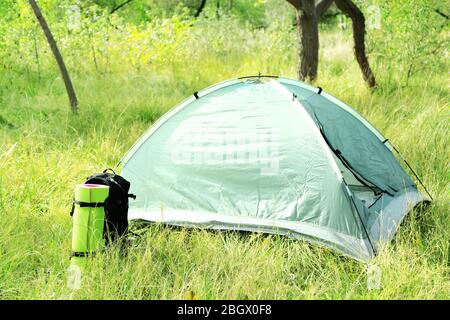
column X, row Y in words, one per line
column 88, row 221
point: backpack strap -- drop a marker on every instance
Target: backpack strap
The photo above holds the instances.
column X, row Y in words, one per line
column 86, row 205
column 79, row 254
column 89, row 204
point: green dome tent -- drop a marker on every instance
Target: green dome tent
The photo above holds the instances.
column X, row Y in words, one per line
column 274, row 155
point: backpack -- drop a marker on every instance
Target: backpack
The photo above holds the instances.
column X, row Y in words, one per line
column 116, row 205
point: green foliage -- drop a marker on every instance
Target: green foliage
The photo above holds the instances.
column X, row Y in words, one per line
column 249, row 11
column 412, row 37
column 96, row 35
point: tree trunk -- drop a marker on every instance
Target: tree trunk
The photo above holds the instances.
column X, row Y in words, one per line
column 308, row 39
column 358, row 24
column 200, row 8
column 114, row 9
column 322, row 7
column 57, row 55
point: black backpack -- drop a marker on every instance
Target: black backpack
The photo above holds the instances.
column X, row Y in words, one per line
column 116, row 205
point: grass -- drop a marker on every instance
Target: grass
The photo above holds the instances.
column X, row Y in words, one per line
column 45, row 151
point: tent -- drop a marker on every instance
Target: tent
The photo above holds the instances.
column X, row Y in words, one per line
column 274, row 155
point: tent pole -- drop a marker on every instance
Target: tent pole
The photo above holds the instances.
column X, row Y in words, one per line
column 410, row 168
column 359, row 216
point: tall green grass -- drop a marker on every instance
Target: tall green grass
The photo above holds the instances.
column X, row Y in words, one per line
column 45, row 150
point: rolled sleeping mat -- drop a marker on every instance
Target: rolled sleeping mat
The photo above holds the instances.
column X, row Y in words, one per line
column 88, row 221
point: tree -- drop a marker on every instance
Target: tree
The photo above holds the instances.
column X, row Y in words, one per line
column 308, row 38
column 359, row 30
column 308, row 14
column 200, row 8
column 59, row 60
column 120, row 6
